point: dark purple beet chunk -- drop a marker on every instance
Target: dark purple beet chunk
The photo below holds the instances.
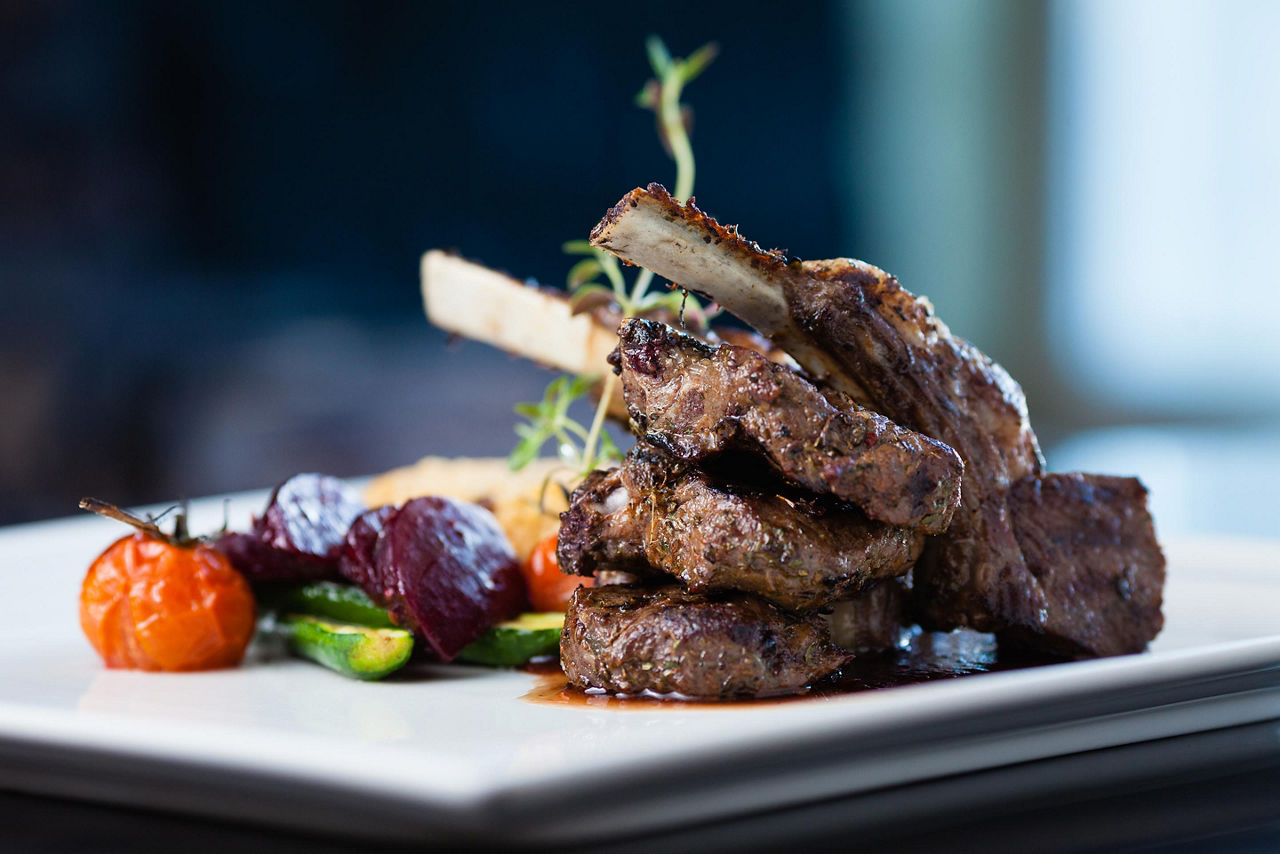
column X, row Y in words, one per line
column 355, row 562
column 300, row 535
column 447, row 572
column 308, row 516
column 248, row 554
column 258, row 561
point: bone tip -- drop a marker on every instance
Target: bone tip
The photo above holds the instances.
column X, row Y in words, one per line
column 632, row 199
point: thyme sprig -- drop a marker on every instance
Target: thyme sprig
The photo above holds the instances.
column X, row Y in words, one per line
column 587, row 293
column 548, row 420
column 661, row 94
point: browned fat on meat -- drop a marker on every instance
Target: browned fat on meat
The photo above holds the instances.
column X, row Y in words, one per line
column 666, row 640
column 854, row 328
column 695, row 400
column 800, row 552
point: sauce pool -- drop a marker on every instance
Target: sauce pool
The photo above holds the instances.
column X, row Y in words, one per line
column 921, row 657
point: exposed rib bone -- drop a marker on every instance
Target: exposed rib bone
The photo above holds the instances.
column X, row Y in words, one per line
column 681, row 243
column 475, row 301
column 847, row 323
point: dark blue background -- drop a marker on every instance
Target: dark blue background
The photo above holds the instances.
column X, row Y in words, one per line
column 211, row 216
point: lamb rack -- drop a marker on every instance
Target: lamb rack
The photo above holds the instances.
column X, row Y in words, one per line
column 854, row 329
column 752, row 519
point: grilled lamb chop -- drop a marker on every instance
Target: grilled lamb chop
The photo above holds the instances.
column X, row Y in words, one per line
column 694, row 400
column 666, row 640
column 800, row 552
column 852, row 327
column 1090, row 543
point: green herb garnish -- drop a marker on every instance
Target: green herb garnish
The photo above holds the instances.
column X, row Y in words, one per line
column 549, row 420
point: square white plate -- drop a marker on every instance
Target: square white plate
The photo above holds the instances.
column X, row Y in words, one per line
column 460, row 753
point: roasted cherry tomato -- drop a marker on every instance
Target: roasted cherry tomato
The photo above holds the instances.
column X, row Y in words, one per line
column 152, row 602
column 549, row 588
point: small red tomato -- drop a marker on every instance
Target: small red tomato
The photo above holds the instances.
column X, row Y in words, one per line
column 549, row 588
column 156, row 603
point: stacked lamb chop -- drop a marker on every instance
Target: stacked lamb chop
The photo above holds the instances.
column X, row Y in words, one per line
column 760, row 497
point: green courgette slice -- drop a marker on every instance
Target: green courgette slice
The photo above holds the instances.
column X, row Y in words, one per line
column 514, row 642
column 360, row 652
column 345, row 603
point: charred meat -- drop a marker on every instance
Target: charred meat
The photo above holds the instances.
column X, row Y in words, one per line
column 603, row 529
column 799, row 551
column 1089, row 541
column 667, row 640
column 915, row 370
column 694, row 400
column 855, row 329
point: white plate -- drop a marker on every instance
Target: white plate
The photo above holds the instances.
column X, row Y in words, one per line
column 459, row 753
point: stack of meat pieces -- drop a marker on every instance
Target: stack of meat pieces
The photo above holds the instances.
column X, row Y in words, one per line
column 772, row 496
column 765, row 501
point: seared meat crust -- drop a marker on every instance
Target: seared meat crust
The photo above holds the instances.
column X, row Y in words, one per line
column 800, row 552
column 694, row 400
column 854, row 328
column 603, row 528
column 666, row 640
column 916, row 371
column 1089, row 541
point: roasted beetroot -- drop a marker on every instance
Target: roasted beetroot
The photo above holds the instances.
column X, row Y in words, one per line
column 300, row 535
column 444, row 569
column 355, row 561
column 259, row 562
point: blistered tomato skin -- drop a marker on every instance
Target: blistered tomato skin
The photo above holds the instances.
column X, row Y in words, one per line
column 150, row 605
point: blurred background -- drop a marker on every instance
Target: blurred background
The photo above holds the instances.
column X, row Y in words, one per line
column 211, row 217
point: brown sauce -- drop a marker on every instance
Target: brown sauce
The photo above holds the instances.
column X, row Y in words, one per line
column 923, row 657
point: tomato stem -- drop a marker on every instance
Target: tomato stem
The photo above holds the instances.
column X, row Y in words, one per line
column 179, row 537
